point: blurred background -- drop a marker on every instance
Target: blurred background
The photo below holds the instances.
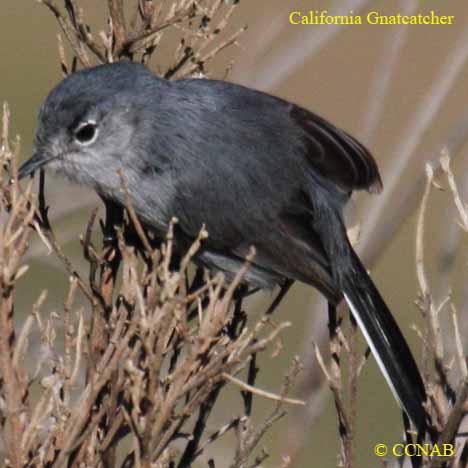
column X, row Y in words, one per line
column 401, row 90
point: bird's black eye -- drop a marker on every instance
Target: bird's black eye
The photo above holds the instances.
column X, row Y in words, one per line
column 86, row 133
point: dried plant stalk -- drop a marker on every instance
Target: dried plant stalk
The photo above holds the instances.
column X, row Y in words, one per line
column 153, row 373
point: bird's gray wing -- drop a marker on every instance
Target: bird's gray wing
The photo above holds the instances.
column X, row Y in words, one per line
column 254, row 184
column 335, row 154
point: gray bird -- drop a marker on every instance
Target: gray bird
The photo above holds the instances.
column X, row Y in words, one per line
column 253, row 168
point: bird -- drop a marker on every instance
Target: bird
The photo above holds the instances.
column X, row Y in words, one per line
column 254, row 169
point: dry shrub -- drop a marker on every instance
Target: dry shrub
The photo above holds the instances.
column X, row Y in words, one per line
column 136, row 383
column 130, row 377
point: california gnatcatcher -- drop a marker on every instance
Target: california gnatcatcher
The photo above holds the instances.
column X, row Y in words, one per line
column 254, row 169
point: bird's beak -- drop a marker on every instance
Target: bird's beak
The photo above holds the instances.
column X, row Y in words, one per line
column 31, row 165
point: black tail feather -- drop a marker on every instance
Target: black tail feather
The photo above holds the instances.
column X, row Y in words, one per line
column 386, row 341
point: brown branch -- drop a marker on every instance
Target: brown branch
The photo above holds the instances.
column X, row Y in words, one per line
column 69, row 32
column 12, row 385
column 452, row 426
column 116, row 13
column 139, row 40
column 43, row 219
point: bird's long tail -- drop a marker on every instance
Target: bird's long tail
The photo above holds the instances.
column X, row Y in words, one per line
column 386, row 341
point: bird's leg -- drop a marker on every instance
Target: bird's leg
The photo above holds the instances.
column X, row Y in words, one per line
column 282, row 292
column 111, row 255
column 239, row 319
column 241, row 292
column 335, row 319
column 332, row 332
column 114, row 217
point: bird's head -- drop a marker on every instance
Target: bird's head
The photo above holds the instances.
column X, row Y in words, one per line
column 86, row 124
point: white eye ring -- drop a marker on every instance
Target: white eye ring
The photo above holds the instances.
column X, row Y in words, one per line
column 86, row 133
